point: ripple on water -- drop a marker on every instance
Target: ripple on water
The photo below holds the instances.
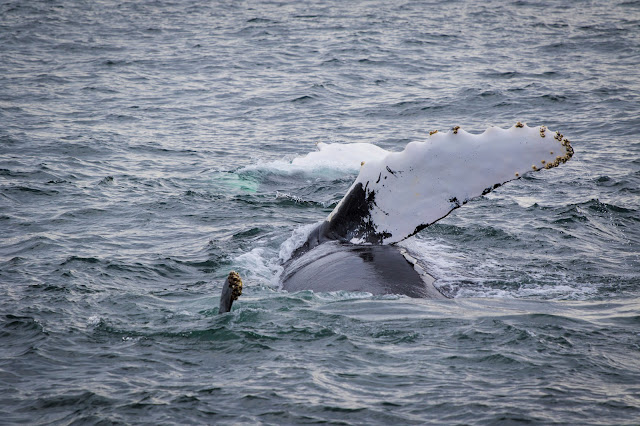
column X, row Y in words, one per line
column 146, row 149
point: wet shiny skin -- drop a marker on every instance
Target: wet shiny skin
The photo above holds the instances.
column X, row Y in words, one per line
column 376, row 269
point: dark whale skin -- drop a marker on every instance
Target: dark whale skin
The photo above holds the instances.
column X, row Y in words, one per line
column 328, row 262
column 339, row 266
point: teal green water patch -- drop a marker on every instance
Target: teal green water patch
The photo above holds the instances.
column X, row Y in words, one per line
column 235, row 182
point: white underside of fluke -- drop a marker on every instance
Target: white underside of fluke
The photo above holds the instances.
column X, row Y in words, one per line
column 422, row 184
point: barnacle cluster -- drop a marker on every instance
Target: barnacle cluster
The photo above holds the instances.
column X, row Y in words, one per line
column 568, row 148
column 235, row 282
column 560, row 159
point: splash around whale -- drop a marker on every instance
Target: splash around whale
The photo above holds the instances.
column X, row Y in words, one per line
column 396, row 195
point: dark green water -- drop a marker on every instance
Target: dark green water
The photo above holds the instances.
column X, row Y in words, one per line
column 145, row 152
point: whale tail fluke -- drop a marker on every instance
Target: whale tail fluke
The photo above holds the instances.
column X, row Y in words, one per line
column 231, row 290
column 395, row 197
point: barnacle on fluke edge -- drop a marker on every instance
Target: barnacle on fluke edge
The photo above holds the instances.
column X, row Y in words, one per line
column 231, row 290
column 235, row 283
column 560, row 158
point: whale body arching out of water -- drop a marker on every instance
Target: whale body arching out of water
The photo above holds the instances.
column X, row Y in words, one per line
column 398, row 195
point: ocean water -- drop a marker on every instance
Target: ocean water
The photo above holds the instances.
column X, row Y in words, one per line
column 149, row 147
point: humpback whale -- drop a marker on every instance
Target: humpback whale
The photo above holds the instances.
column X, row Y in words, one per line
column 398, row 195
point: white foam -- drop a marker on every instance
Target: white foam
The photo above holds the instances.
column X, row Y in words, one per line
column 462, row 277
column 298, row 238
column 341, row 156
column 336, row 157
column 263, row 265
column 554, row 291
column 259, row 266
column 93, row 321
column 438, row 258
column 288, row 196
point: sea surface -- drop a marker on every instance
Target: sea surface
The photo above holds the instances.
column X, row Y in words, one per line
column 147, row 149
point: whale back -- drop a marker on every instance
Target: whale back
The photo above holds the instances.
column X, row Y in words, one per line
column 376, row 269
